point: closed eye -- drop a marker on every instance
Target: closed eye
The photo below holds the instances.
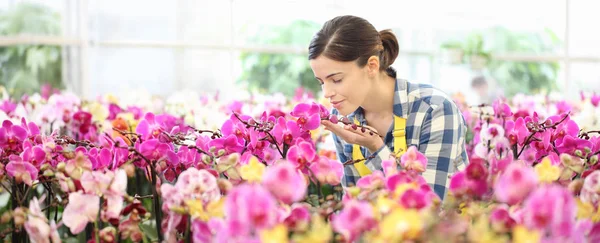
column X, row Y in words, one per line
column 337, row 81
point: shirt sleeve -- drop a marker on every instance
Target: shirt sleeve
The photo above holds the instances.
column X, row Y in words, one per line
column 380, row 155
column 441, row 141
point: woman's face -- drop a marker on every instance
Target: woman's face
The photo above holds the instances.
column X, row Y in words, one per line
column 344, row 84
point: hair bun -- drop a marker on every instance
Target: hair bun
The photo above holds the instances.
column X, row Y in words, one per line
column 390, row 48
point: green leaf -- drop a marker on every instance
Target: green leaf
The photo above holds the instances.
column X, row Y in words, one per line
column 71, row 240
column 148, row 228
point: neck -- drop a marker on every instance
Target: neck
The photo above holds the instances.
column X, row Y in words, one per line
column 380, row 99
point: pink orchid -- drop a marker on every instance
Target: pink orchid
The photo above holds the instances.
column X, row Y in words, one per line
column 114, row 195
column 501, row 109
column 8, row 107
column 515, row 183
column 76, row 166
column 299, row 215
column 355, row 218
column 461, row 185
column 136, row 111
column 113, row 110
column 95, row 182
column 81, row 122
column 555, row 216
column 476, row 170
column 100, row 158
column 595, row 100
column 33, row 154
column 372, row 181
column 158, row 151
column 414, row 160
column 234, row 127
column 32, row 129
column 562, row 107
column 491, row 132
column 390, row 167
column 285, row 182
column 328, row 171
column 149, row 127
column 200, row 184
column 23, row 172
column 12, row 136
column 285, row 132
column 501, row 219
column 416, row 199
column 573, row 145
column 230, row 144
column 82, row 209
column 498, row 163
column 391, row 182
column 250, row 206
column 590, row 192
column 308, row 115
column 302, row 155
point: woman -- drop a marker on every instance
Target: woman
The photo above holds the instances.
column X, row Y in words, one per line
column 351, row 60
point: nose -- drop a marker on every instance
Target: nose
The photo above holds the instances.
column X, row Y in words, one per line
column 328, row 91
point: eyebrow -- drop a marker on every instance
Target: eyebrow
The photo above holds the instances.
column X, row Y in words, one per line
column 328, row 76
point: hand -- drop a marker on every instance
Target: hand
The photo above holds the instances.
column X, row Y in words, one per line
column 355, row 136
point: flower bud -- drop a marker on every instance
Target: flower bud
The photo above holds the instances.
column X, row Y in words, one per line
column 61, row 166
column 221, row 152
column 333, row 119
column 575, row 186
column 578, row 153
column 5, row 218
column 19, row 216
column 594, row 159
column 71, row 185
column 48, row 173
column 224, row 185
column 205, row 159
column 45, row 167
column 129, row 170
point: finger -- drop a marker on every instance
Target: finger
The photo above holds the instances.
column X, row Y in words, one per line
column 361, row 131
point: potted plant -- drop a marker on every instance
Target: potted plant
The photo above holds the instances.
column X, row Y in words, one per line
column 452, row 52
column 477, row 56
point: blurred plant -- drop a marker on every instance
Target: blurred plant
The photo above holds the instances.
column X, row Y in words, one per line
column 25, row 68
column 514, row 77
column 524, row 77
column 268, row 72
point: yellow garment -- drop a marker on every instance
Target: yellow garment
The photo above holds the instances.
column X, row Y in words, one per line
column 399, row 134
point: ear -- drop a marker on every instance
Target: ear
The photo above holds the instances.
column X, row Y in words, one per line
column 373, row 65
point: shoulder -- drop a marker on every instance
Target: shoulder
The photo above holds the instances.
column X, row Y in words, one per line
column 428, row 97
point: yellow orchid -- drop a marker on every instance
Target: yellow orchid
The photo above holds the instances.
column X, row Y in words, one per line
column 320, row 232
column 277, row 234
column 111, row 98
column 401, row 224
column 99, row 111
column 586, row 210
column 214, row 209
column 253, row 171
column 547, row 172
column 480, row 231
column 523, row 235
column 385, row 204
column 400, row 189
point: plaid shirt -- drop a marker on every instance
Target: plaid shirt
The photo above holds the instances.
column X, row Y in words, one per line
column 434, row 125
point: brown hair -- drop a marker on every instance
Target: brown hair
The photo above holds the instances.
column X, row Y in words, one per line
column 350, row 38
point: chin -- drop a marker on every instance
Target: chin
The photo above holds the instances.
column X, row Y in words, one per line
column 344, row 111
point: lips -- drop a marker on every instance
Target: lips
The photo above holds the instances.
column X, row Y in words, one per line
column 336, row 104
